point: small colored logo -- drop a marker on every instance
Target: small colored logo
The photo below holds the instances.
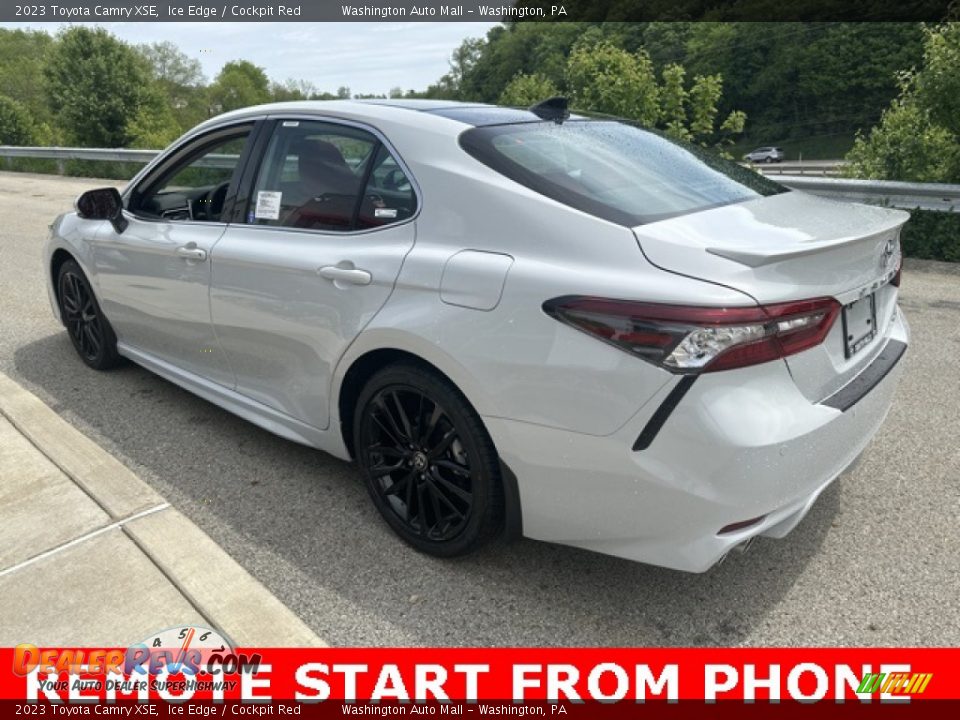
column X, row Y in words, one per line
column 897, row 683
column 188, row 650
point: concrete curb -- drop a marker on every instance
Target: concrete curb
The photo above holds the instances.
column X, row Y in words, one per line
column 221, row 591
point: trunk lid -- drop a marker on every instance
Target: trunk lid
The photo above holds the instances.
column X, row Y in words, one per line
column 792, row 246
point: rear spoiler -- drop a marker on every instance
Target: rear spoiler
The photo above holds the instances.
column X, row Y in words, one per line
column 765, row 255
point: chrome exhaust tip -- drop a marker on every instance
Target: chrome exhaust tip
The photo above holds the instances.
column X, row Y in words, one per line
column 745, row 545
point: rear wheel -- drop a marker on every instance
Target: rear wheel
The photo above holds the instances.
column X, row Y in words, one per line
column 429, row 464
column 90, row 332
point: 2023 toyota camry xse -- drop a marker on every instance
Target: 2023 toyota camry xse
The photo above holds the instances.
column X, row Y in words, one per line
column 557, row 326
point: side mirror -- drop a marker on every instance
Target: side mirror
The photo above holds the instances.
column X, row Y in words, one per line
column 103, row 204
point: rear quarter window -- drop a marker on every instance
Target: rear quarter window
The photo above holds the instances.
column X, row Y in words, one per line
column 613, row 170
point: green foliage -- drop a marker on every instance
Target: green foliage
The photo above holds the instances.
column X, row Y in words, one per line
column 22, row 56
column 95, row 83
column 704, row 96
column 16, row 126
column 525, row 90
column 918, row 137
column 673, row 102
column 907, row 146
column 932, row 235
column 608, row 79
column 154, row 124
column 179, row 79
column 239, row 84
column 793, row 80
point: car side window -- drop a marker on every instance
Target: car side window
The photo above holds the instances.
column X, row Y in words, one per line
column 194, row 187
column 323, row 176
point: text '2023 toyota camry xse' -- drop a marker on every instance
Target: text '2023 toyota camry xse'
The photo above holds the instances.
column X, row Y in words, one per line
column 519, row 321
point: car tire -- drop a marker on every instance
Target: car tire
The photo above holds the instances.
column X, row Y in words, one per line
column 89, row 330
column 428, row 462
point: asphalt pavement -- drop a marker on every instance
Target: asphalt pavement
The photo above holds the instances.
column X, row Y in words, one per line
column 876, row 562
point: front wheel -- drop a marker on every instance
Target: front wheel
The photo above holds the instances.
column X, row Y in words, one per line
column 429, row 464
column 89, row 330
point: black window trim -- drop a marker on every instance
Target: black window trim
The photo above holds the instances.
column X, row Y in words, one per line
column 188, row 150
column 252, row 169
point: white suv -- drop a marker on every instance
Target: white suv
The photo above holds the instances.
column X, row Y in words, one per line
column 765, row 155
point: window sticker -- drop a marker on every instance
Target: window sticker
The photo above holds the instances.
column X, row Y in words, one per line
column 268, row 205
column 385, row 212
column 291, row 123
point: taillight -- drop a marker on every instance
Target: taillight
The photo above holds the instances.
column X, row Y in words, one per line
column 690, row 339
column 895, row 281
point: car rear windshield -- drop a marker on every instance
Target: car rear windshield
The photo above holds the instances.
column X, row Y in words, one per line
column 614, row 170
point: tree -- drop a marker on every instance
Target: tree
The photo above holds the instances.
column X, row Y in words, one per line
column 172, row 67
column 673, row 102
column 918, row 137
column 608, row 79
column 154, row 126
column 292, row 90
column 525, row 90
column 239, row 84
column 179, row 78
column 16, row 126
column 95, row 84
column 22, row 57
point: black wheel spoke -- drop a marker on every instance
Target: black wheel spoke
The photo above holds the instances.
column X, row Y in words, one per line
column 451, row 488
column 389, row 451
column 421, row 508
column 70, row 305
column 404, row 428
column 400, row 484
column 92, row 342
column 394, row 430
column 378, row 471
column 434, row 503
column 408, row 499
column 453, row 467
column 431, row 425
column 445, row 442
column 446, row 501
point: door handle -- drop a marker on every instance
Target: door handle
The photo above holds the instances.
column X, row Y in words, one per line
column 188, row 252
column 344, row 273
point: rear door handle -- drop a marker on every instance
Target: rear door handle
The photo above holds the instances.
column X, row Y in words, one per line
column 188, row 252
column 345, row 273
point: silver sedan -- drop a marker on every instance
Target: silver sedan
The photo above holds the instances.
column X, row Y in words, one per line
column 515, row 321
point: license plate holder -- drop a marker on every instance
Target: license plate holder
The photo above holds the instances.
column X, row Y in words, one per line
column 859, row 324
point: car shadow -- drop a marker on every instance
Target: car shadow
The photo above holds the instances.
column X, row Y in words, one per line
column 301, row 523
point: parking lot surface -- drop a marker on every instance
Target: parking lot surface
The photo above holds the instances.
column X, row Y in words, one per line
column 876, row 563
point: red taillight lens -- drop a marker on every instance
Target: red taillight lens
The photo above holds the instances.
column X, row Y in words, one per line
column 689, row 339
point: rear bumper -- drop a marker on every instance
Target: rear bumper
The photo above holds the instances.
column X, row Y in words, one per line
column 738, row 445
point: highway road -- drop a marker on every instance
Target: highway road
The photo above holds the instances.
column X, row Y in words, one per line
column 877, row 561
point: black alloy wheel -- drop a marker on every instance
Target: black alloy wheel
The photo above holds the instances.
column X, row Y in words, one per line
column 429, row 464
column 89, row 330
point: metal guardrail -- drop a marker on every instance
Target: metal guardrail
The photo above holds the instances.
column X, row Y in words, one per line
column 806, row 167
column 926, row 196
column 909, row 196
column 140, row 157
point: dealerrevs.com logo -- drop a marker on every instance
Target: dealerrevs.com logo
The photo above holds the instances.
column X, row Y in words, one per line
column 173, row 664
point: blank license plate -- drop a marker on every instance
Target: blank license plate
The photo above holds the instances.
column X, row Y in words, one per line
column 859, row 324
